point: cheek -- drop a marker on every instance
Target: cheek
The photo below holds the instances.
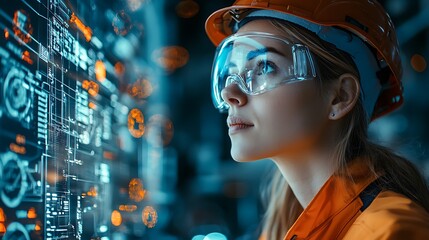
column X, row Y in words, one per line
column 291, row 121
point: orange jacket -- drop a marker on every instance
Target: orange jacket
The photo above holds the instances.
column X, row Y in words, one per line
column 357, row 210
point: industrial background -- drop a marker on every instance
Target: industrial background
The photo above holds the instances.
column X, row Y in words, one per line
column 107, row 130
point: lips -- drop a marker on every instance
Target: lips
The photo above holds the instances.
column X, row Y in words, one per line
column 236, row 123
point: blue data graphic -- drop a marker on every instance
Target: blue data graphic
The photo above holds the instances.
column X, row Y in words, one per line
column 69, row 165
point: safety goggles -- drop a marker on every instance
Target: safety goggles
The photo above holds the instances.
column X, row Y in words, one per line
column 257, row 63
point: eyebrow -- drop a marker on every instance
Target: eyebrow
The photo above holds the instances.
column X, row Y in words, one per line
column 252, row 54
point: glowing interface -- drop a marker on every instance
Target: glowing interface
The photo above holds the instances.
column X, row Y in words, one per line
column 73, row 144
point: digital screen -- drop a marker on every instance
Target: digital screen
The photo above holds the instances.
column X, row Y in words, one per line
column 70, row 168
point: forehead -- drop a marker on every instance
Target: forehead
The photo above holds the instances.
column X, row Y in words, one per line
column 262, row 25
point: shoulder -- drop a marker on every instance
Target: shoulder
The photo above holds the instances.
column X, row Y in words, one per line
column 391, row 216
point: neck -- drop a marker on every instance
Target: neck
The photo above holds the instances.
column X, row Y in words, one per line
column 306, row 174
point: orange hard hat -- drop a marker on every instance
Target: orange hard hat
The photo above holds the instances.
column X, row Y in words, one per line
column 365, row 19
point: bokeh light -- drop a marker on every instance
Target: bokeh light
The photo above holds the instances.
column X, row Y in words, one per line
column 215, row 236
column 134, row 5
column 2, row 228
column 149, row 217
column 92, row 105
column 52, row 177
column 100, row 71
column 91, row 86
column 38, row 226
column 141, row 89
column 26, row 57
column 116, row 218
column 31, row 213
column 199, row 237
column 418, row 63
column 171, row 58
column 135, row 190
column 6, row 34
column 136, row 123
column 187, row 8
column 119, row 68
column 92, row 192
column 2, row 221
column 127, row 208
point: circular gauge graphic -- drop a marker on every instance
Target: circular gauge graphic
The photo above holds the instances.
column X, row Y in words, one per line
column 18, row 94
column 136, row 123
column 160, row 130
column 149, row 216
column 16, row 231
column 13, row 178
column 22, row 27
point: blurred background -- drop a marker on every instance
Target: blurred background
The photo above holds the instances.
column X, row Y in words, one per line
column 107, row 129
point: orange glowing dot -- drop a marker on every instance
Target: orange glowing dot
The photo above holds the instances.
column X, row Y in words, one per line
column 92, row 192
column 92, row 105
column 135, row 190
column 26, row 57
column 171, row 58
column 31, row 213
column 142, row 88
column 85, row 84
column 2, row 228
column 92, row 92
column 6, row 34
column 116, row 218
column 136, row 123
column 187, row 8
column 52, row 177
column 38, row 226
column 20, row 139
column 17, row 149
column 418, row 62
column 92, row 87
column 108, row 155
column 2, row 216
column 100, row 71
column 119, row 68
column 127, row 208
column 149, row 216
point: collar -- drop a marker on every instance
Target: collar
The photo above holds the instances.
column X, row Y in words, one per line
column 336, row 202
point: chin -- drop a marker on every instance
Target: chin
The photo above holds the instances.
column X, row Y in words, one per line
column 240, row 155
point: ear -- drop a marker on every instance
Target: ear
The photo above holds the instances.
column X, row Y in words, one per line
column 346, row 93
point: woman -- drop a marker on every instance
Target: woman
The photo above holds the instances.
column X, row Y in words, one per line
column 301, row 80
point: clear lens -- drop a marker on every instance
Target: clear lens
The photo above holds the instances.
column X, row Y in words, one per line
column 257, row 63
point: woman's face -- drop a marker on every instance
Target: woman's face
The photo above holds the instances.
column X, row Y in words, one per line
column 285, row 121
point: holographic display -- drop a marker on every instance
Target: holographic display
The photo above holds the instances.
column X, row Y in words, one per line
column 66, row 157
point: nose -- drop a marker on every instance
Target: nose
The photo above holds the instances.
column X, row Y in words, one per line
column 233, row 95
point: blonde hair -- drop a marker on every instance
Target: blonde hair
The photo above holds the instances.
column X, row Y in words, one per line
column 394, row 172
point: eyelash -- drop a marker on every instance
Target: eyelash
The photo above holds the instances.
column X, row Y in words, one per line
column 268, row 63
